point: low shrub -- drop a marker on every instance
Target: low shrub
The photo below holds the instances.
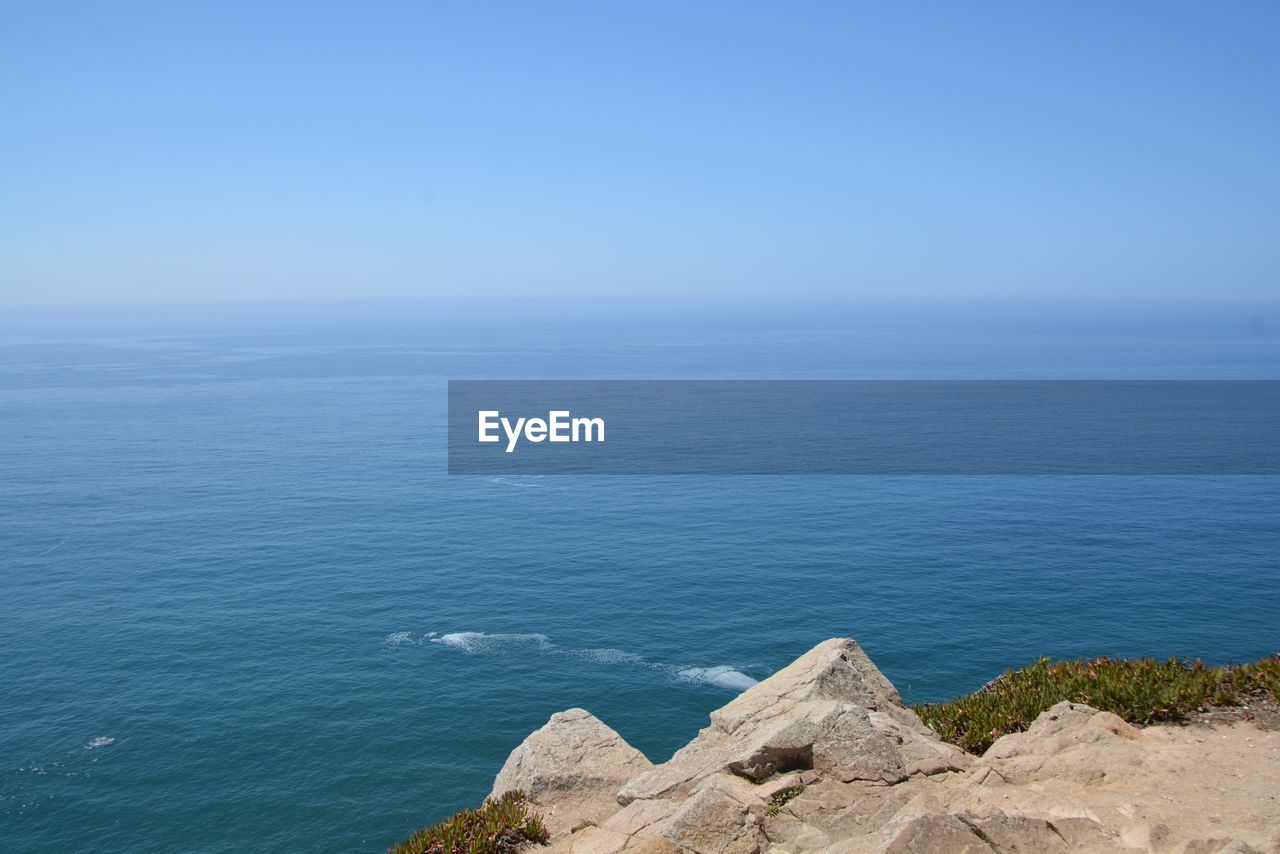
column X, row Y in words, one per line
column 499, row 826
column 1141, row 691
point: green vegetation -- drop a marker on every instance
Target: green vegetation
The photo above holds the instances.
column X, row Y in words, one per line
column 776, row 802
column 497, row 827
column 1141, row 691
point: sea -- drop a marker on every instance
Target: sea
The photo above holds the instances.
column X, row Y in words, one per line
column 243, row 607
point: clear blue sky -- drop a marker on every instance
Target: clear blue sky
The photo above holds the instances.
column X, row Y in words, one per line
column 179, row 151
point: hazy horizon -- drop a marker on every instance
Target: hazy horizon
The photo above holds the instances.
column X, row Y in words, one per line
column 491, row 322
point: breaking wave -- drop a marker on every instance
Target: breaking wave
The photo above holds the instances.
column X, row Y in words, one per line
column 722, row 676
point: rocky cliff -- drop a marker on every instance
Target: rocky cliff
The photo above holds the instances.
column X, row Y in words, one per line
column 823, row 756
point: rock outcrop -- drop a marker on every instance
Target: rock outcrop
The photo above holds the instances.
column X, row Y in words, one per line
column 823, row 756
column 571, row 769
column 830, row 711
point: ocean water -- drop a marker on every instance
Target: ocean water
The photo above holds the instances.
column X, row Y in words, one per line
column 244, row 608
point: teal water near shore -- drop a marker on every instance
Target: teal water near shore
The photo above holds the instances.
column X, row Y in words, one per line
column 245, row 609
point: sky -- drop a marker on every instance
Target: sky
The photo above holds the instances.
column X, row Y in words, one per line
column 205, row 152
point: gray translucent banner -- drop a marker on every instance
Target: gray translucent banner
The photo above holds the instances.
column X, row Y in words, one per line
column 755, row 427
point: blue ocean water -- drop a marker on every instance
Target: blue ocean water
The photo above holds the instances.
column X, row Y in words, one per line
column 245, row 609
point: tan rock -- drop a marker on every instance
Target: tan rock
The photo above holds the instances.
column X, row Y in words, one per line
column 1146, row 837
column 1017, row 833
column 1084, row 834
column 593, row 840
column 712, row 821
column 675, row 778
column 1219, row 845
column 789, row 833
column 639, row 817
column 835, row 669
column 854, row 810
column 920, row 755
column 1068, row 740
column 570, row 769
column 814, row 714
column 984, row 776
column 1063, row 726
column 648, row 845
column 933, row 834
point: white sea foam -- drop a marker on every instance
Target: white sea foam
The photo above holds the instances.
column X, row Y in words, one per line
column 722, row 676
column 610, row 655
column 476, row 643
column 521, row 481
column 99, row 741
column 483, row 643
column 396, row 639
